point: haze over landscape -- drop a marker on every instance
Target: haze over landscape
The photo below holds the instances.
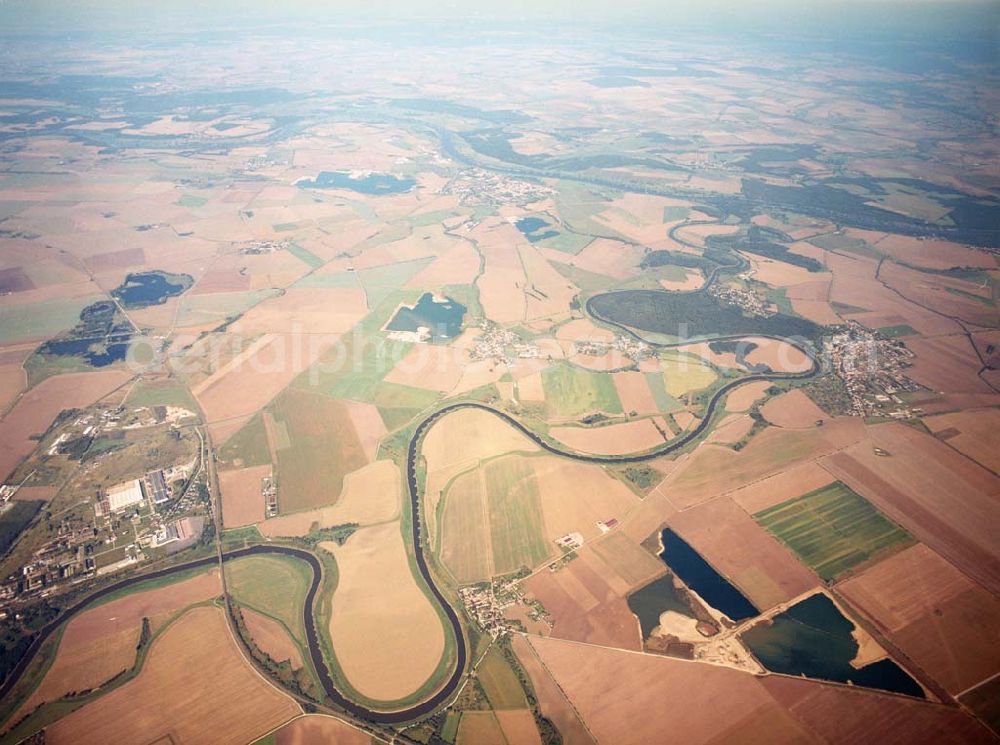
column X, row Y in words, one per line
column 449, row 372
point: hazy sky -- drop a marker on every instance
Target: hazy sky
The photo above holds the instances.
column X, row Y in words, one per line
column 927, row 16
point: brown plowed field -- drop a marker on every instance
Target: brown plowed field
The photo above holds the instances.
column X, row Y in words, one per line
column 975, row 434
column 614, row 439
column 271, row 638
column 842, row 714
column 712, row 470
column 178, row 695
column 939, row 496
column 315, row 728
column 626, row 697
column 750, row 557
column 370, row 495
column 242, row 499
column 551, row 700
column 36, row 409
column 939, row 617
column 792, row 410
column 586, row 598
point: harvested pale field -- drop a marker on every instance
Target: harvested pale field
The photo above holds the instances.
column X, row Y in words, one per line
column 368, row 425
column 306, row 310
column 614, row 439
column 739, row 549
column 459, row 441
column 697, row 233
column 780, row 356
column 939, row 496
column 479, row 728
column 430, row 367
column 249, row 381
column 693, row 280
column 121, row 259
column 13, row 379
column 934, row 254
column 242, row 498
column 517, row 534
column 583, row 330
column 846, row 714
column 793, row 410
column 778, row 273
column 742, row 398
column 854, row 285
column 732, row 429
column 271, row 638
column 973, row 433
column 586, row 601
column 613, row 360
column 621, row 697
column 466, row 546
column 946, row 294
column 712, row 470
column 605, row 256
column 314, row 728
column 370, row 495
column 817, row 311
column 780, row 487
column 502, row 282
column 529, row 388
column 519, row 727
column 35, row 410
column 634, row 393
column 386, row 634
column 547, row 292
column 947, row 364
column 576, row 495
column 941, row 619
column 178, row 696
column 459, row 265
column 553, row 704
column 478, row 373
column 322, row 448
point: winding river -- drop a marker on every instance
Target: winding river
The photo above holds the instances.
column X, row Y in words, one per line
column 413, row 451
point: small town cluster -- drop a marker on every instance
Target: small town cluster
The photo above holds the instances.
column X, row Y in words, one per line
column 873, row 369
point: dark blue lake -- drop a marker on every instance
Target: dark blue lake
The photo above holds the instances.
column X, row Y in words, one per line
column 813, row 638
column 373, row 183
column 699, row 575
column 657, row 597
column 444, row 319
column 150, row 288
column 530, row 227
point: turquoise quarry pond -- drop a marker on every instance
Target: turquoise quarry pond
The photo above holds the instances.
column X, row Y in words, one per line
column 444, row 319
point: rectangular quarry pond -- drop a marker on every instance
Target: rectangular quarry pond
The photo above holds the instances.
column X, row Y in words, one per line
column 656, row 598
column 813, row 638
column 699, row 575
column 443, row 317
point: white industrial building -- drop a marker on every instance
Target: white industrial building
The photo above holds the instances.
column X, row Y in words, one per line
column 122, row 496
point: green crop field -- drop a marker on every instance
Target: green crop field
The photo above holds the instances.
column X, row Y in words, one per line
column 832, row 529
column 515, row 515
column 305, row 256
column 463, row 530
column 273, row 585
column 571, row 391
column 217, row 307
column 499, row 682
column 323, row 448
column 248, row 445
